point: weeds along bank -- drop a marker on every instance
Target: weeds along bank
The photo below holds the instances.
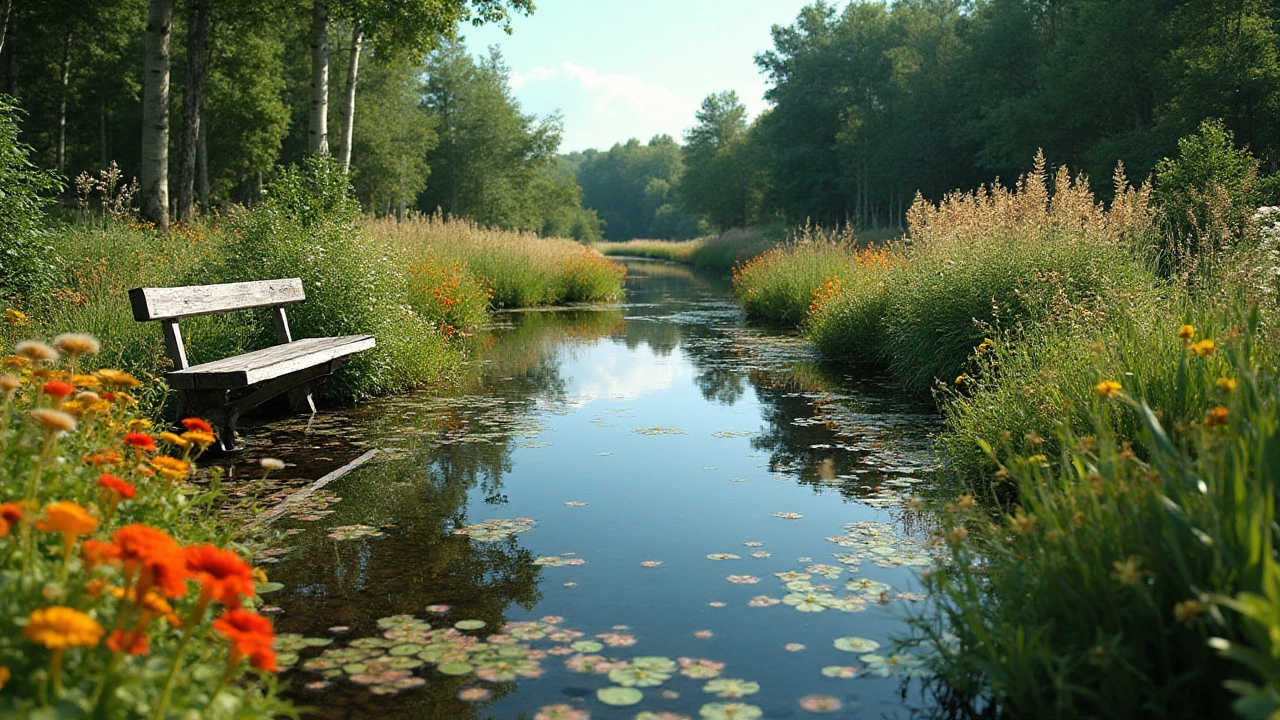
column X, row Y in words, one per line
column 420, row 286
column 714, row 253
column 1108, row 379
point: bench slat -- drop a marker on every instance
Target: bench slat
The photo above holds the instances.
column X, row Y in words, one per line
column 268, row 363
column 166, row 303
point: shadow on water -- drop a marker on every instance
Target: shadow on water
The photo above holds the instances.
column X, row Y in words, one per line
column 580, row 499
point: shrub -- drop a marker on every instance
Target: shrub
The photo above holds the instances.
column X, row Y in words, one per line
column 27, row 262
column 1096, row 596
column 780, row 284
column 85, row 631
column 847, row 318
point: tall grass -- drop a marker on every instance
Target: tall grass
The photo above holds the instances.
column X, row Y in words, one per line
column 715, row 253
column 782, row 284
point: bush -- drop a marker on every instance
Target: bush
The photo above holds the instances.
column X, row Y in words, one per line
column 781, row 284
column 85, row 631
column 1099, row 595
column 309, row 226
column 27, row 262
column 847, row 319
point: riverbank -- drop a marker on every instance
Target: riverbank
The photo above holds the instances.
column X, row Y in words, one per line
column 420, row 285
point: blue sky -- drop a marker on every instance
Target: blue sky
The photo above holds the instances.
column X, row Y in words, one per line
column 617, row 69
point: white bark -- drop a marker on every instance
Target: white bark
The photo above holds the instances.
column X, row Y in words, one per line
column 349, row 102
column 318, row 130
column 155, row 115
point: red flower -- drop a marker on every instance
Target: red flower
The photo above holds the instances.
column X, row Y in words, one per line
column 156, row 556
column 142, row 441
column 264, row 659
column 116, row 485
column 222, row 574
column 250, row 635
column 131, row 643
column 197, row 425
column 10, row 514
column 57, row 389
column 96, row 552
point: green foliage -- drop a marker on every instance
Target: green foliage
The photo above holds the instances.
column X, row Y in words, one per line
column 850, row 324
column 392, row 137
column 723, row 177
column 783, row 284
column 1207, row 197
column 27, row 262
column 309, row 227
column 1098, row 590
column 632, row 189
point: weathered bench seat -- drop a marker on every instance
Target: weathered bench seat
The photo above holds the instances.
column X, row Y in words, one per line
column 291, row 366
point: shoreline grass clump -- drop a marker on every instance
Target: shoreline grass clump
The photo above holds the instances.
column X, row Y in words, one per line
column 716, row 253
column 1137, row 570
column 124, row 596
column 780, row 285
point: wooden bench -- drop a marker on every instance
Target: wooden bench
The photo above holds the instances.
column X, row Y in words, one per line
column 291, row 366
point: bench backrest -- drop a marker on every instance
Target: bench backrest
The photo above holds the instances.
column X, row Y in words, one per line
column 171, row 303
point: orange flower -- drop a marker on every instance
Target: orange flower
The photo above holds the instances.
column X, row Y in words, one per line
column 153, row 605
column 57, row 389
column 118, row 378
column 170, row 467
column 121, row 489
column 59, row 627
column 197, row 425
column 69, row 519
column 250, row 635
column 96, row 552
column 1217, row 417
column 10, row 515
column 222, row 574
column 155, row 556
column 105, row 457
column 141, row 441
column 196, row 437
column 130, row 643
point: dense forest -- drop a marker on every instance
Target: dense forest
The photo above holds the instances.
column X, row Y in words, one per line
column 870, row 103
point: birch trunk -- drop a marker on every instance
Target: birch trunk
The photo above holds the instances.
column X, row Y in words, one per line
column 6, row 7
column 197, row 58
column 65, row 78
column 349, row 102
column 318, row 131
column 155, row 115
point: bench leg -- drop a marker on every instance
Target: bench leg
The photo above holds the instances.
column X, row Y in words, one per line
column 300, row 400
column 214, row 406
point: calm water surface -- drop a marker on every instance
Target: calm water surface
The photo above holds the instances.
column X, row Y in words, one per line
column 653, row 480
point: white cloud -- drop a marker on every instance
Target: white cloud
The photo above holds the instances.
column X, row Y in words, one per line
column 518, row 80
column 627, row 96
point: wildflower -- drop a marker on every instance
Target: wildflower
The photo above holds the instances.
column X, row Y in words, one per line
column 1204, row 348
column 198, row 438
column 174, row 439
column 85, row 381
column 8, row 384
column 1022, row 523
column 124, row 399
column 58, row 390
column 1127, row 572
column 97, row 552
column 140, row 441
column 76, row 344
column 1217, row 417
column 170, row 467
column 36, row 351
column 956, row 537
column 985, row 345
column 964, row 502
column 155, row 556
column 250, row 635
column 67, row 518
column 117, row 486
column 58, row 628
column 961, row 379
column 1001, row 475
column 10, row 515
column 15, row 317
column 1107, row 388
column 116, row 378
column 223, row 576
column 153, row 605
column 1226, row 384
column 133, row 642
column 1038, row 460
column 53, row 421
column 139, row 424
column 1096, row 348
column 104, row 457
column 1186, row 332
column 271, row 464
column 1187, row 609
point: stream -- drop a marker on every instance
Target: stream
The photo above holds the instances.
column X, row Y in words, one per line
column 646, row 510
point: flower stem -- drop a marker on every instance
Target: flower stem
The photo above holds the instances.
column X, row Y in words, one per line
column 196, row 615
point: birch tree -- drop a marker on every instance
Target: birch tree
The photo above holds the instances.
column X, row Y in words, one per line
column 154, row 191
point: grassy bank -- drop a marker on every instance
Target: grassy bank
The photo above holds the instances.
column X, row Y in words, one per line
column 417, row 285
column 1110, row 414
column 714, row 253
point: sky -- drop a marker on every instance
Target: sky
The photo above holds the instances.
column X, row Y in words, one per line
column 618, row 69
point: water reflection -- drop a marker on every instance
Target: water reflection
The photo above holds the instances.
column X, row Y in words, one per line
column 657, row 450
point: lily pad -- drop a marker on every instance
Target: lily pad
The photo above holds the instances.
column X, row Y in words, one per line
column 820, row 703
column 840, row 671
column 732, row 688
column 619, row 696
column 469, row 624
column 856, row 645
column 730, row 711
column 456, row 668
column 587, row 646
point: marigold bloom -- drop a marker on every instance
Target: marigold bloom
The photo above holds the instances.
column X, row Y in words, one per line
column 133, row 642
column 36, row 351
column 85, row 381
column 117, row 485
column 1107, row 388
column 1226, row 383
column 57, row 389
column 264, row 659
column 197, row 425
column 153, row 605
column 11, row 512
column 141, row 441
column 59, row 627
column 155, row 555
column 75, row 344
column 104, row 457
column 1217, row 417
column 250, row 634
column 53, row 421
column 1186, row 332
column 174, row 439
column 170, row 467
column 116, row 378
column 67, row 518
column 97, row 552
column 222, row 574
column 201, row 439
column 1204, row 348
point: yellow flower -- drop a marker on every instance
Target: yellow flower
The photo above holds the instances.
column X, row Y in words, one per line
column 170, row 467
column 67, row 518
column 15, row 317
column 202, row 439
column 174, row 439
column 85, row 381
column 1108, row 388
column 1127, row 572
column 59, row 627
column 1204, row 348
column 1226, row 383
column 961, row 379
column 118, row 379
column 1186, row 332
